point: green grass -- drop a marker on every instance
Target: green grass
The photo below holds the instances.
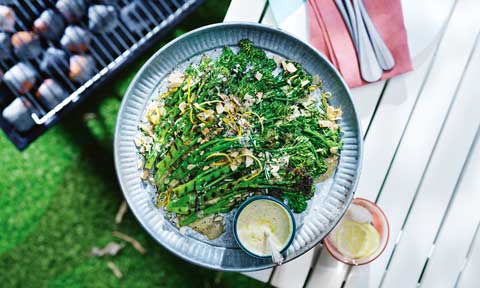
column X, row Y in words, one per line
column 59, row 197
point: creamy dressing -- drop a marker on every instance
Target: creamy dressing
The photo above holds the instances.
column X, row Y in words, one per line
column 259, row 217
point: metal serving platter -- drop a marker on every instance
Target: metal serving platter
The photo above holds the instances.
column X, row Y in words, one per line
column 332, row 196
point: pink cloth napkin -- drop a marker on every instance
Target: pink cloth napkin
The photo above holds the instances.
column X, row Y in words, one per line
column 329, row 34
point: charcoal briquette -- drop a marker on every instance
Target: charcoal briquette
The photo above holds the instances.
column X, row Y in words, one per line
column 26, row 45
column 49, row 25
column 102, row 18
column 21, row 77
column 50, row 93
column 18, row 113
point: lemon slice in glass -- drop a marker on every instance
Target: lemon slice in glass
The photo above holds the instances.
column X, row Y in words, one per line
column 357, row 240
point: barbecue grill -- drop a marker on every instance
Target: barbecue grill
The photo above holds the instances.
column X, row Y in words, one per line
column 140, row 22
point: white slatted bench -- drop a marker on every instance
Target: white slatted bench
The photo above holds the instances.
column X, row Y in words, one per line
column 421, row 158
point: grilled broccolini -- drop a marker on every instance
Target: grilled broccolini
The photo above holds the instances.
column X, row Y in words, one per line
column 239, row 125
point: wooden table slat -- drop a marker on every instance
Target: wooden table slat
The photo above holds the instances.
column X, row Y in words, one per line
column 294, row 273
column 469, row 276
column 245, row 10
column 386, row 129
column 459, row 229
column 297, row 23
column 268, row 18
column 327, row 272
column 365, row 99
column 414, row 151
column 424, row 21
column 438, row 184
column 260, row 275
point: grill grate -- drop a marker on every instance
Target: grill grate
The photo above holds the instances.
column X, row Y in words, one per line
column 140, row 22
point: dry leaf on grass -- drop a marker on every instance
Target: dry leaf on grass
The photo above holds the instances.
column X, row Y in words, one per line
column 121, row 212
column 89, row 116
column 114, row 269
column 111, row 249
column 130, row 240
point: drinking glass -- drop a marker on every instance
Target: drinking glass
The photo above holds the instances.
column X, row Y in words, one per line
column 361, row 235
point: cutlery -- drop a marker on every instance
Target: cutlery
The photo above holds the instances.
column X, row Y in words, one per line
column 370, row 69
column 346, row 19
column 277, row 258
column 384, row 56
column 350, row 13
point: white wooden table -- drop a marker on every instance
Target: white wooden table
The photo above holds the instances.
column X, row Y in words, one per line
column 422, row 155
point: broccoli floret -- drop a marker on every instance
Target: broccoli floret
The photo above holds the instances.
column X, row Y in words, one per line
column 296, row 201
